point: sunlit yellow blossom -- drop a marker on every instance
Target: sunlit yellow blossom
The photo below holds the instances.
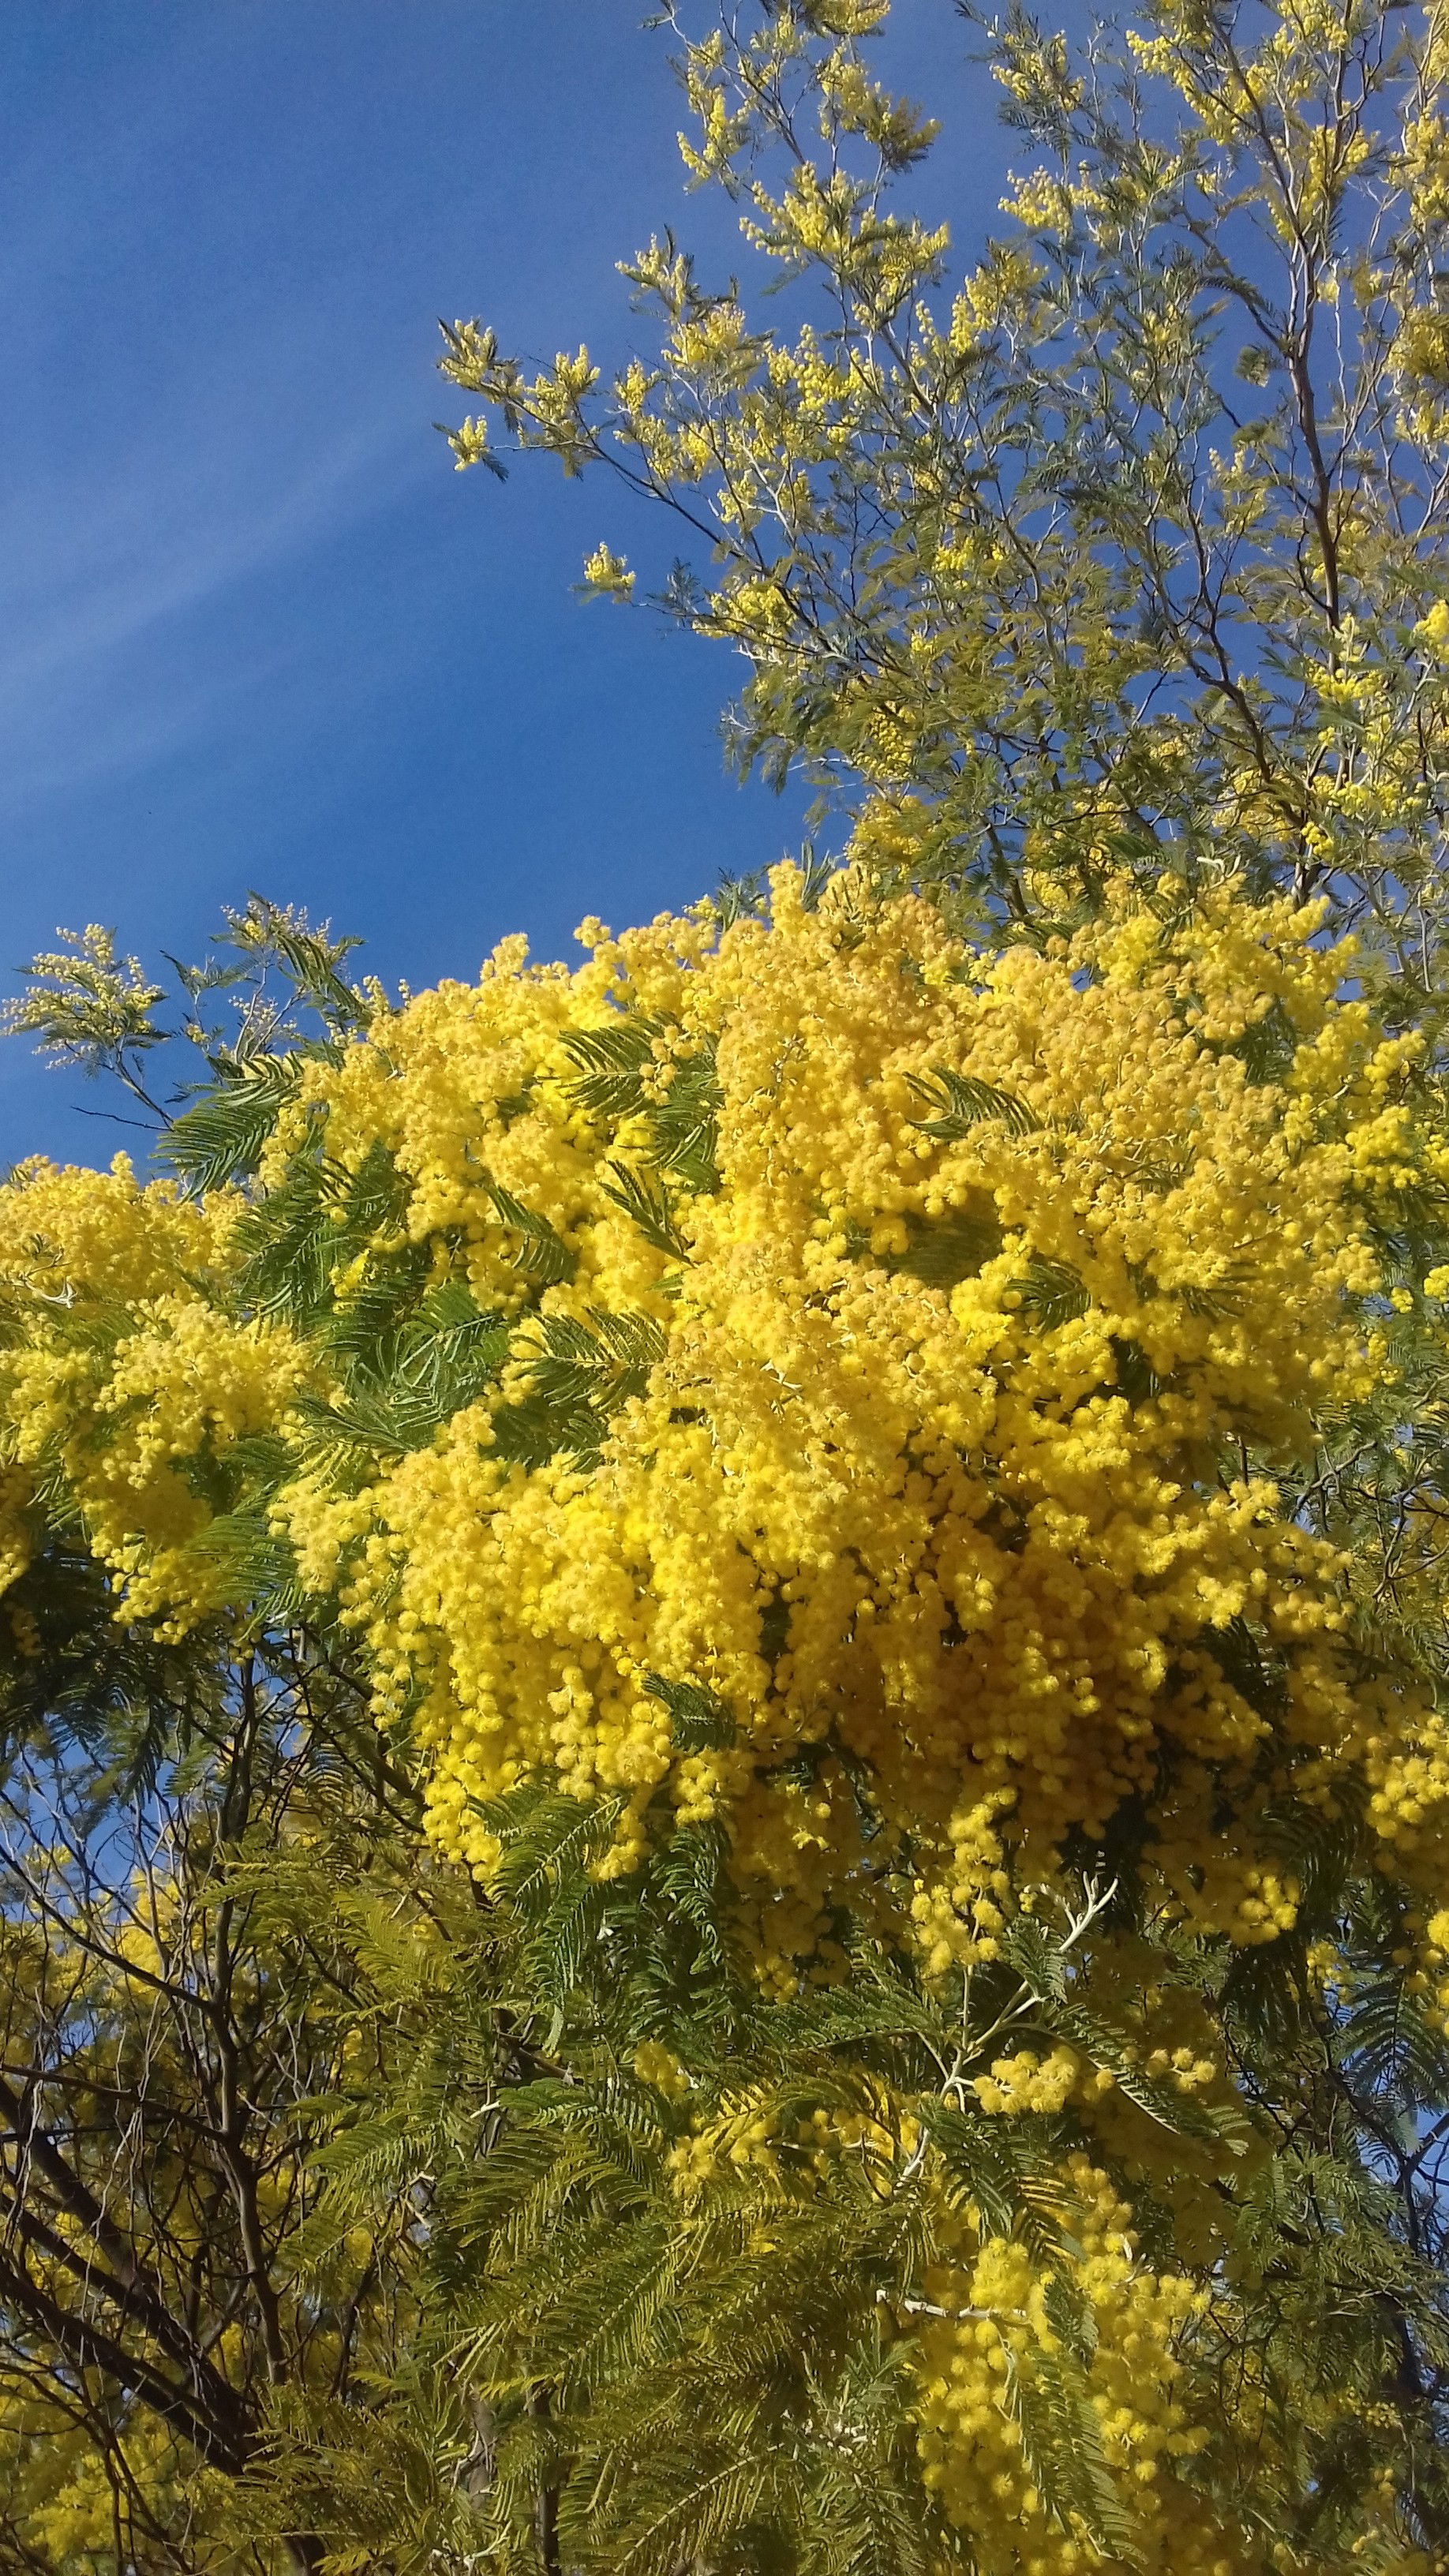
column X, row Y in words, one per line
column 893, row 1345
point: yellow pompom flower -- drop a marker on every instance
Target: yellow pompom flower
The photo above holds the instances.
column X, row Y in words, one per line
column 894, row 1347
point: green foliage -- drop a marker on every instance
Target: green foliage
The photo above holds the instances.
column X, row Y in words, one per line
column 619, row 1068
column 959, row 1101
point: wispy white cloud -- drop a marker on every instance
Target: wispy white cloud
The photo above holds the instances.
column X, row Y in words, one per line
column 103, row 582
column 150, row 537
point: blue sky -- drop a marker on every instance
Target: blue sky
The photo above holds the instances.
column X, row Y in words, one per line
column 254, row 632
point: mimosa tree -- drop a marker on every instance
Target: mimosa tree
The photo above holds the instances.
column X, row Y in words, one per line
column 872, row 1457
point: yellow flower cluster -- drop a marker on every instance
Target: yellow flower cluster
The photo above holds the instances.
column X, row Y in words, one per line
column 1437, row 1980
column 130, row 1375
column 978, row 2357
column 1002, row 2333
column 1029, row 2082
column 900, row 1342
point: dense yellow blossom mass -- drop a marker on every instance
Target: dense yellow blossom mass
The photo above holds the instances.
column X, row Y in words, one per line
column 890, row 1350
